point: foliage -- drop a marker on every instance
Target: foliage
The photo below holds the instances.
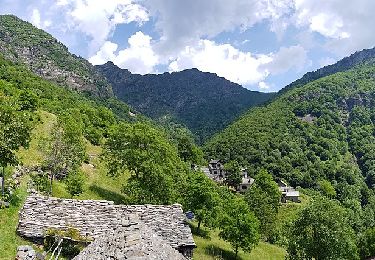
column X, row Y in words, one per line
column 157, row 173
column 72, row 241
column 263, row 198
column 366, row 244
column 233, row 176
column 75, row 183
column 203, row 102
column 202, row 198
column 239, row 226
column 41, row 182
column 322, row 231
column 326, row 188
column 64, row 149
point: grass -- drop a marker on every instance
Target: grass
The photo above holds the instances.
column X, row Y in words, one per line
column 98, row 185
column 211, row 247
column 9, row 241
column 32, row 155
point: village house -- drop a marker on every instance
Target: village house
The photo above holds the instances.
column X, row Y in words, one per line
column 288, row 193
column 216, row 172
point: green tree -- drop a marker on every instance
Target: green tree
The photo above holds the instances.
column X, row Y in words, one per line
column 263, row 198
column 239, row 226
column 64, row 149
column 233, row 176
column 321, row 232
column 202, row 198
column 75, row 183
column 367, row 244
column 327, row 189
column 15, row 129
column 157, row 173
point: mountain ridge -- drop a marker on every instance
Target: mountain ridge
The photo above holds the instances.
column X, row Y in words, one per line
column 202, row 101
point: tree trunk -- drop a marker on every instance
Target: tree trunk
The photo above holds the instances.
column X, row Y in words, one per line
column 2, row 182
column 199, row 225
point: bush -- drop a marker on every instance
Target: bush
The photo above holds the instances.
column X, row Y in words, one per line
column 74, row 183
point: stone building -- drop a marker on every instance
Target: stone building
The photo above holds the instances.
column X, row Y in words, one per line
column 100, row 219
column 288, row 193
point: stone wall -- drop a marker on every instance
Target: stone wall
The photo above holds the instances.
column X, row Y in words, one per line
column 93, row 218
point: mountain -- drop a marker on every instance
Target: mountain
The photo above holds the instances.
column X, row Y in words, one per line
column 342, row 65
column 21, row 42
column 320, row 131
column 203, row 102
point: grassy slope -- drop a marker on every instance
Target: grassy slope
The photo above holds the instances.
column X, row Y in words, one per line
column 211, row 247
column 100, row 186
column 9, row 241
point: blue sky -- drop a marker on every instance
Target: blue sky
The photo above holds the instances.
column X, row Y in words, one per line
column 260, row 44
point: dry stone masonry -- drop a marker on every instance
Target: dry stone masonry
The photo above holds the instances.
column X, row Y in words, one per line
column 130, row 240
column 98, row 219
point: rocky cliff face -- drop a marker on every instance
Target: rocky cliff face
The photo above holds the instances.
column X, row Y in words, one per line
column 23, row 43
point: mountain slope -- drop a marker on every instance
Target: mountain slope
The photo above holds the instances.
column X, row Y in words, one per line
column 323, row 130
column 342, row 65
column 21, row 42
column 204, row 102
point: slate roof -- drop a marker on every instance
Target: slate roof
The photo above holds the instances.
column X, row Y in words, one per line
column 130, row 240
column 95, row 218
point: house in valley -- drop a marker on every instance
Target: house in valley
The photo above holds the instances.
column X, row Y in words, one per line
column 288, row 193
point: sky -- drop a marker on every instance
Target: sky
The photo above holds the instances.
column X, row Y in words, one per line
column 261, row 44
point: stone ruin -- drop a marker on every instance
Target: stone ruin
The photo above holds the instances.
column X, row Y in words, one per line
column 135, row 230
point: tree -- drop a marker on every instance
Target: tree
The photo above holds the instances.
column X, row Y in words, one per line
column 74, row 183
column 239, row 226
column 156, row 171
column 201, row 197
column 322, row 231
column 367, row 244
column 327, row 189
column 233, row 176
column 263, row 198
column 15, row 129
column 64, row 149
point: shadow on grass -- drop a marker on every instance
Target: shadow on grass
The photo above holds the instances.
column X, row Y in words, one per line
column 220, row 253
column 108, row 195
column 199, row 232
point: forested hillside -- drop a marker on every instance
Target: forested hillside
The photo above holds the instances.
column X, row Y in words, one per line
column 203, row 102
column 321, row 131
column 21, row 42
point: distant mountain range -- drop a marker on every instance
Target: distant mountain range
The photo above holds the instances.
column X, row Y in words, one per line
column 203, row 102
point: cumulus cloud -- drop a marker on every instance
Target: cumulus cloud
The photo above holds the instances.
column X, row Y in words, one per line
column 222, row 59
column 347, row 25
column 98, row 19
column 184, row 23
column 139, row 57
column 286, row 59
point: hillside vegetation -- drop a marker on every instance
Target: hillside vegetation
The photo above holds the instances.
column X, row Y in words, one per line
column 21, row 42
column 203, row 102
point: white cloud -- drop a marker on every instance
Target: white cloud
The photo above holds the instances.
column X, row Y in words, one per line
column 37, row 21
column 185, row 23
column 98, row 19
column 224, row 60
column 139, row 57
column 263, row 85
column 347, row 25
column 326, row 61
column 286, row 59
